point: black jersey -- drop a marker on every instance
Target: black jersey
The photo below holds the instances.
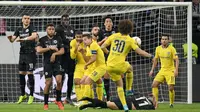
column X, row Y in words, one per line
column 140, row 103
column 103, row 33
column 67, row 34
column 46, row 42
column 27, row 46
column 143, row 103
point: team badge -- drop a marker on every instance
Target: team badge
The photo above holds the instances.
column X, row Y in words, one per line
column 27, row 30
column 71, row 31
column 46, row 73
column 113, row 32
column 55, row 41
column 168, row 53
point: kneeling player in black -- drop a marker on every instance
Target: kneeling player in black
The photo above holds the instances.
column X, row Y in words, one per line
column 52, row 48
column 133, row 103
column 27, row 36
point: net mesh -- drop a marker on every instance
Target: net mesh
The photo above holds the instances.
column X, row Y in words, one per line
column 150, row 23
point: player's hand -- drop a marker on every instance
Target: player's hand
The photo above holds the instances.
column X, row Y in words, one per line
column 151, row 73
column 176, row 73
column 80, row 49
column 54, row 48
column 85, row 67
column 20, row 40
column 53, row 57
column 10, row 38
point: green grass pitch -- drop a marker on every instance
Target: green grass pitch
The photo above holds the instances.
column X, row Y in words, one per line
column 38, row 107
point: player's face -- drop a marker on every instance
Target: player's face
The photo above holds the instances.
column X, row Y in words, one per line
column 95, row 31
column 87, row 41
column 79, row 38
column 26, row 20
column 50, row 31
column 65, row 21
column 108, row 23
column 164, row 40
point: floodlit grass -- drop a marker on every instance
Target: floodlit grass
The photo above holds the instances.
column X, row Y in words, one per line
column 38, row 107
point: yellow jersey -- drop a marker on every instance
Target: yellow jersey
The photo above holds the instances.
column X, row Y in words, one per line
column 94, row 48
column 120, row 47
column 166, row 56
column 77, row 56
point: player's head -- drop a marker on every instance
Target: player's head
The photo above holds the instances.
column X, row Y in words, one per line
column 65, row 19
column 95, row 30
column 87, row 39
column 50, row 29
column 108, row 23
column 125, row 27
column 165, row 39
column 26, row 19
column 78, row 36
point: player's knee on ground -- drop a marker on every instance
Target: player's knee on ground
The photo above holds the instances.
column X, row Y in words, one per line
column 77, row 81
column 171, row 87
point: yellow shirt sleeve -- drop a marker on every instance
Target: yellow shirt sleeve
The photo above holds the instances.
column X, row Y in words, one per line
column 109, row 40
column 93, row 48
column 157, row 51
column 72, row 49
column 133, row 44
column 174, row 54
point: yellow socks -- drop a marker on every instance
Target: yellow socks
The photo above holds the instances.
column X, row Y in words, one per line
column 121, row 95
column 78, row 92
column 129, row 81
column 171, row 96
column 99, row 90
column 155, row 93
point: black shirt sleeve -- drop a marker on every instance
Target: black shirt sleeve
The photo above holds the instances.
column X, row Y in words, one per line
column 17, row 32
column 41, row 43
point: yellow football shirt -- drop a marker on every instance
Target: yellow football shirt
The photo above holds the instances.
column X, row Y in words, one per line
column 166, row 56
column 120, row 47
column 77, row 56
column 96, row 49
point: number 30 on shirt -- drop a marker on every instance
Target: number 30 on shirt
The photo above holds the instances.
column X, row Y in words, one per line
column 119, row 46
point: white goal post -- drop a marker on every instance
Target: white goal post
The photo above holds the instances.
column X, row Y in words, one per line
column 117, row 9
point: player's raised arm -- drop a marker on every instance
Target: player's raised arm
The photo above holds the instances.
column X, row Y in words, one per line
column 106, row 44
column 14, row 37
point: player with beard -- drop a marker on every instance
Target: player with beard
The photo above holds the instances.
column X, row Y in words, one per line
column 95, row 32
column 66, row 32
column 27, row 36
column 52, row 48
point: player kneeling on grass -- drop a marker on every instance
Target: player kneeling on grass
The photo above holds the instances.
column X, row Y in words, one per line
column 133, row 103
column 98, row 60
column 52, row 48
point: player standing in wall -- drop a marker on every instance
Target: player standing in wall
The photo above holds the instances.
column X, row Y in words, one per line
column 167, row 55
column 121, row 43
column 103, row 35
column 66, row 32
column 52, row 48
column 27, row 36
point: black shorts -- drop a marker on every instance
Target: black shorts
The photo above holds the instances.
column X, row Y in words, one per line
column 119, row 104
column 52, row 69
column 67, row 63
column 27, row 62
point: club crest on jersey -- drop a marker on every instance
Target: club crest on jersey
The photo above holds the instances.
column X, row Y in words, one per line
column 168, row 53
column 55, row 41
column 27, row 30
column 113, row 32
column 71, row 31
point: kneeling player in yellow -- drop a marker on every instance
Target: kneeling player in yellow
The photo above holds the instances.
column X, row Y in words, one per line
column 76, row 44
column 98, row 61
column 167, row 55
column 121, row 43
